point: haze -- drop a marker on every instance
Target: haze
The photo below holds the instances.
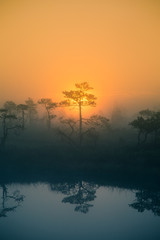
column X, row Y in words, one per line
column 48, row 46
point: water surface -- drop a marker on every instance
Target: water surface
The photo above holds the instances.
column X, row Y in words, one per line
column 78, row 210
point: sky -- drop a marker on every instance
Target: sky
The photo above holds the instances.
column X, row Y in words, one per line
column 46, row 46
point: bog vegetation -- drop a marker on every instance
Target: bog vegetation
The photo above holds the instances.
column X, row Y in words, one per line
column 40, row 130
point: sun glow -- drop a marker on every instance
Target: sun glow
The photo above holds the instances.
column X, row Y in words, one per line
column 46, row 47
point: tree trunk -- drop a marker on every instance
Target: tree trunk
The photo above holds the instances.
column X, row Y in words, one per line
column 139, row 138
column 4, row 127
column 22, row 119
column 30, row 117
column 48, row 119
column 80, row 123
column 49, row 123
column 155, row 137
column 145, row 137
column 4, row 195
column 4, row 137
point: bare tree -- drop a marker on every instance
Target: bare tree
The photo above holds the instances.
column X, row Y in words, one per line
column 16, row 198
column 69, row 123
column 98, row 121
column 94, row 124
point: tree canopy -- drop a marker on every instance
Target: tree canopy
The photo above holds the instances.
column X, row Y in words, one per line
column 80, row 96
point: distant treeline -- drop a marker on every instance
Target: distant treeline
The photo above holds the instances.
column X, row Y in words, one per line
column 15, row 118
column 18, row 117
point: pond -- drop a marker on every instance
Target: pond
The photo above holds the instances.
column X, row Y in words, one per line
column 78, row 210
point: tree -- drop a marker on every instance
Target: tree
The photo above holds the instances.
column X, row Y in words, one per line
column 68, row 130
column 79, row 193
column 22, row 108
column 8, row 123
column 94, row 122
column 32, row 111
column 69, row 123
column 49, row 106
column 147, row 200
column 156, row 126
column 98, row 121
column 10, row 106
column 80, row 98
column 147, row 122
column 9, row 206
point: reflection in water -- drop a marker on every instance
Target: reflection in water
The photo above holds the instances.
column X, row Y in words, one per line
column 80, row 193
column 45, row 216
column 9, row 201
column 147, row 200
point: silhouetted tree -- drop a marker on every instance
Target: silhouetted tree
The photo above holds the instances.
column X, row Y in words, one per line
column 32, row 109
column 68, row 131
column 49, row 106
column 147, row 122
column 22, row 108
column 80, row 193
column 7, row 206
column 69, row 123
column 98, row 121
column 156, row 126
column 147, row 200
column 94, row 124
column 8, row 123
column 11, row 107
column 80, row 98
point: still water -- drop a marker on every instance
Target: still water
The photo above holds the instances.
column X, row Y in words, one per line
column 80, row 210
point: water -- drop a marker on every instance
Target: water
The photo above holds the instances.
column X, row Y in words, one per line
column 78, row 210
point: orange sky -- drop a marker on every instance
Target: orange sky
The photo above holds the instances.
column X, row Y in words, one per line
column 48, row 45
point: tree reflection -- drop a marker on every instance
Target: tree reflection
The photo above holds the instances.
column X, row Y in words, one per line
column 80, row 193
column 147, row 200
column 9, row 201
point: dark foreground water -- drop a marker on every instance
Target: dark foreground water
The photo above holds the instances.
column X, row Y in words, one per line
column 78, row 210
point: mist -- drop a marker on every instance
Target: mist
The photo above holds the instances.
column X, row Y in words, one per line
column 79, row 119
